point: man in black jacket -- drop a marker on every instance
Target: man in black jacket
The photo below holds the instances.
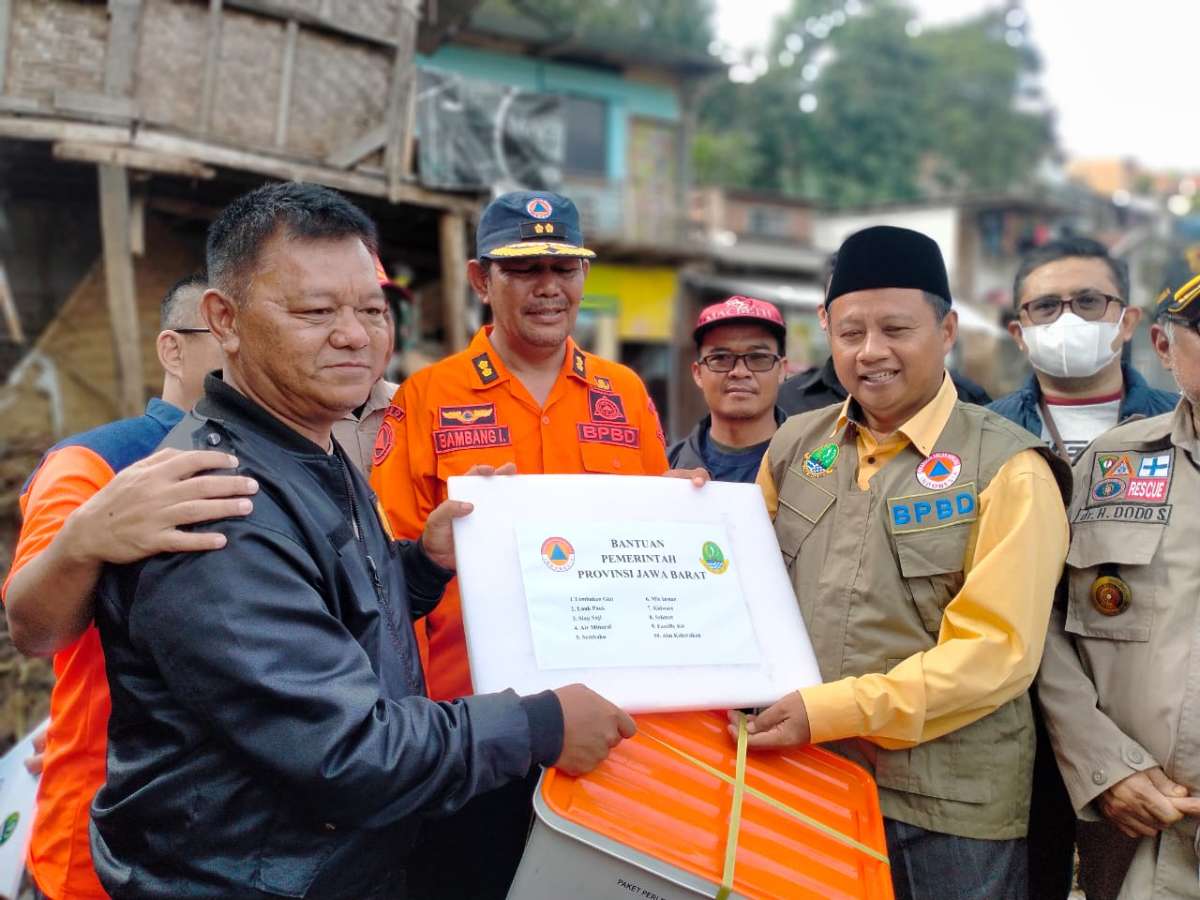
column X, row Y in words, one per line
column 269, row 733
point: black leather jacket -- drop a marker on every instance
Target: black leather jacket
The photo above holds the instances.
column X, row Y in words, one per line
column 269, row 735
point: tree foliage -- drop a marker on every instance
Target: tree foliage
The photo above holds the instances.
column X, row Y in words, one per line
column 899, row 112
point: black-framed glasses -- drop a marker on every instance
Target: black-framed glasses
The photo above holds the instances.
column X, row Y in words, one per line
column 756, row 361
column 1088, row 305
column 192, row 330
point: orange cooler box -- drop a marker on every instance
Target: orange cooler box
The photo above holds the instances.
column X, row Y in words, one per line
column 649, row 823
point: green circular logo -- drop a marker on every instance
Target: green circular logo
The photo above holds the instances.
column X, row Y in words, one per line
column 713, row 558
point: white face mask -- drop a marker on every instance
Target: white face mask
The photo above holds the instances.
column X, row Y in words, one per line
column 1071, row 347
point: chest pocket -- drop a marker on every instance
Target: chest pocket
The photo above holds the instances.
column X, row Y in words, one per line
column 460, row 461
column 1129, row 549
column 802, row 503
column 613, row 458
column 932, row 565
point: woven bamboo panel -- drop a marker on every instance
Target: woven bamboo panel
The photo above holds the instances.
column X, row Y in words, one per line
column 56, row 44
column 339, row 92
column 248, row 79
column 170, row 64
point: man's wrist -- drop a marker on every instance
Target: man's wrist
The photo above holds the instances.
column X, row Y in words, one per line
column 74, row 545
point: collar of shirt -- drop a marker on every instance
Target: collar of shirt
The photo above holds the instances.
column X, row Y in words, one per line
column 380, row 397
column 574, row 364
column 923, row 429
column 1183, row 431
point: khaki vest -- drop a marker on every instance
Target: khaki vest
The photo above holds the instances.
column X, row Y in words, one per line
column 872, row 571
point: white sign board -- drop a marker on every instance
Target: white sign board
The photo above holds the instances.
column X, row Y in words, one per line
column 658, row 595
column 18, row 801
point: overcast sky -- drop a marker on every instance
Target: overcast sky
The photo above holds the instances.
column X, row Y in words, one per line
column 1118, row 74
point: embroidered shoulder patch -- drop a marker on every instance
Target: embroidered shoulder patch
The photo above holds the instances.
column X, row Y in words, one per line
column 1129, row 487
column 385, row 439
column 484, row 369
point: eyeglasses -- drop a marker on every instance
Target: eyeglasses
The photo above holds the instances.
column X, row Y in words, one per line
column 756, row 361
column 1088, row 305
column 192, row 330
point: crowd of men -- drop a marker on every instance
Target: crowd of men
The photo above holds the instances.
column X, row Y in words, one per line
column 262, row 680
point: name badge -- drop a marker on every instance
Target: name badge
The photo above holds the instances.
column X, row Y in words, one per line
column 939, row 509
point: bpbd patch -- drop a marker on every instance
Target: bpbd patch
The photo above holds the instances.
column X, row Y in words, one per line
column 615, row 434
column 923, row 512
column 606, row 407
column 938, row 471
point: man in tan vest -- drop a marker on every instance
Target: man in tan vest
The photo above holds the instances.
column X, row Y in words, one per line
column 924, row 538
column 1120, row 682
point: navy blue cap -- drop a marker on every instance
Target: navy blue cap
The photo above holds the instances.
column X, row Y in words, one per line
column 530, row 223
column 1181, row 287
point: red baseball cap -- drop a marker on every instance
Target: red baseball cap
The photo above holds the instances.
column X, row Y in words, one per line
column 741, row 309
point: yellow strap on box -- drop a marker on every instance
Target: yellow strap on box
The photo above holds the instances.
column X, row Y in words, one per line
column 735, row 815
column 735, row 812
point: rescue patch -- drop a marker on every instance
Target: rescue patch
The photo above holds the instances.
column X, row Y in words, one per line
column 939, row 470
column 925, row 512
column 1108, row 489
column 467, row 437
column 579, row 363
column 394, row 412
column 606, row 407
column 1111, row 596
column 1157, row 465
column 1114, row 465
column 1133, row 513
column 484, row 369
column 602, row 383
column 820, row 461
column 616, row 435
column 385, row 439
column 475, row 414
column 1147, row 490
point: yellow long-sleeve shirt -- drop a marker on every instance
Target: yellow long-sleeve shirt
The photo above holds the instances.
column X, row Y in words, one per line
column 992, row 632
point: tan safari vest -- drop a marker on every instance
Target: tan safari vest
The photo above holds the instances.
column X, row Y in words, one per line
column 872, row 571
column 1133, row 618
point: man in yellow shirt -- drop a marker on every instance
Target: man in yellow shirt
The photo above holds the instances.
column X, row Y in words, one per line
column 924, row 538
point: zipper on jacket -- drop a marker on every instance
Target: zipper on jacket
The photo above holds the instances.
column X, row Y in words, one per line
column 376, row 581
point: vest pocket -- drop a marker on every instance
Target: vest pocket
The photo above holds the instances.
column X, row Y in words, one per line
column 1128, row 550
column 931, row 563
column 801, row 505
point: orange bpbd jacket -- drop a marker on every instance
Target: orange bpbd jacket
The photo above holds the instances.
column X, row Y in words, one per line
column 60, row 858
column 468, row 409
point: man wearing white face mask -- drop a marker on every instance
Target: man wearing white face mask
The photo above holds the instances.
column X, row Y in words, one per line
column 1073, row 320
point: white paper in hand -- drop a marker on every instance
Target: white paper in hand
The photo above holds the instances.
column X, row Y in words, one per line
column 18, row 801
column 656, row 594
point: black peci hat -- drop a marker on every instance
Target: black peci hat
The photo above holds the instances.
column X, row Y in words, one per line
column 884, row 256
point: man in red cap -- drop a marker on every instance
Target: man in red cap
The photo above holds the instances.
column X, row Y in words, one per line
column 739, row 367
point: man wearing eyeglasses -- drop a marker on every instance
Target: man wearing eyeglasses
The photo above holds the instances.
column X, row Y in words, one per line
column 740, row 365
column 1073, row 319
column 1120, row 678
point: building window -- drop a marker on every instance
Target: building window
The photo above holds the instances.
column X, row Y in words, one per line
column 768, row 222
column 587, row 136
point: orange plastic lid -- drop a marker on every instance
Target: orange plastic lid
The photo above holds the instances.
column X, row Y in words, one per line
column 658, row 803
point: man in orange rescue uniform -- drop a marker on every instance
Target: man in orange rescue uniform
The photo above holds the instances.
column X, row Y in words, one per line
column 521, row 393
